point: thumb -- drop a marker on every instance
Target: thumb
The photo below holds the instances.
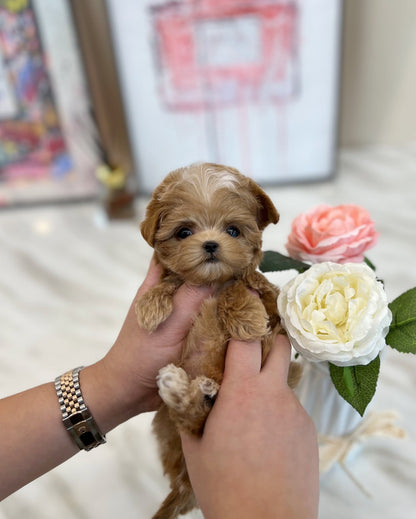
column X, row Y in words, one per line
column 243, row 359
column 278, row 362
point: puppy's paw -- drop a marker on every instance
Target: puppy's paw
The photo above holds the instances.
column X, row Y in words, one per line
column 243, row 314
column 173, row 384
column 208, row 387
column 200, row 399
column 250, row 321
column 154, row 307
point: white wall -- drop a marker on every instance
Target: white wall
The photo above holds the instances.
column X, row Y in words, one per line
column 378, row 95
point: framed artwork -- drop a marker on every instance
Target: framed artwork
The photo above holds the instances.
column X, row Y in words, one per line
column 252, row 84
column 47, row 139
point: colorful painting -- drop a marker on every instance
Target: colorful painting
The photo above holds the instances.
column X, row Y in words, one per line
column 252, row 84
column 215, row 54
column 31, row 141
column 36, row 159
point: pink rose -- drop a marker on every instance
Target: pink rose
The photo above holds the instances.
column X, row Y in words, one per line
column 339, row 234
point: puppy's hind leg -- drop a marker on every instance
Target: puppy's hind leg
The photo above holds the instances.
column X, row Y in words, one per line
column 189, row 402
column 202, row 392
column 181, row 498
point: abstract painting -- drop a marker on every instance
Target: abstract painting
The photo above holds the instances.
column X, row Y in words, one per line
column 40, row 138
column 252, row 84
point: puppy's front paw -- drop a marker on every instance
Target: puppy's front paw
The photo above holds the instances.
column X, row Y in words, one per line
column 154, row 307
column 173, row 384
column 251, row 324
column 244, row 316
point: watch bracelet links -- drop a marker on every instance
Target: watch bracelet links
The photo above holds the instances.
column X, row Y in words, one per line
column 76, row 417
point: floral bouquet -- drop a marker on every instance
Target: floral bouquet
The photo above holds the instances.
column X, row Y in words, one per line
column 336, row 309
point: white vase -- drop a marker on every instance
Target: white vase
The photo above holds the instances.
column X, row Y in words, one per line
column 331, row 414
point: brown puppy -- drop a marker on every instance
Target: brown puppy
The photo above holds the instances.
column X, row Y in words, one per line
column 205, row 224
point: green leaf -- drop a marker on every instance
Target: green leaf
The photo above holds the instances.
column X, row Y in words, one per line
column 348, row 376
column 274, row 262
column 356, row 384
column 370, row 264
column 402, row 333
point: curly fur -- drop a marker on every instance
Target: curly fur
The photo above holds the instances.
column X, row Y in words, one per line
column 205, row 224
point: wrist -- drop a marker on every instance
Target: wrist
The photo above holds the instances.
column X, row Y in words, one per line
column 108, row 397
column 76, row 416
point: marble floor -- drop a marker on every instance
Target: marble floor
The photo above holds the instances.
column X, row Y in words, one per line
column 66, row 281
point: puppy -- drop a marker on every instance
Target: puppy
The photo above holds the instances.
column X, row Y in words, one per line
column 205, row 224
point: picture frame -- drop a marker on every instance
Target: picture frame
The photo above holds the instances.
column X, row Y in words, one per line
column 251, row 84
column 48, row 139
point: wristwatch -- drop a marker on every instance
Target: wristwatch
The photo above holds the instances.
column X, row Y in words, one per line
column 76, row 417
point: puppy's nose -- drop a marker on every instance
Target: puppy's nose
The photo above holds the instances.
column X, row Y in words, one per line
column 210, row 246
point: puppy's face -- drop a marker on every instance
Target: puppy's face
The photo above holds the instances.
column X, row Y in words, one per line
column 205, row 223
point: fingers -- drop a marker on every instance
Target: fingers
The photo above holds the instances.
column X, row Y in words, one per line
column 188, row 300
column 243, row 359
column 278, row 362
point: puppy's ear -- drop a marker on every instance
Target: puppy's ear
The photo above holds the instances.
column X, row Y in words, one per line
column 158, row 206
column 150, row 224
column 267, row 213
column 154, row 211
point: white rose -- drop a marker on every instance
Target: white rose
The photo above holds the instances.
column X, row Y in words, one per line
column 336, row 313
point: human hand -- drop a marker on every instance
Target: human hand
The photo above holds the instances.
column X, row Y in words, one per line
column 114, row 389
column 258, row 456
column 128, row 372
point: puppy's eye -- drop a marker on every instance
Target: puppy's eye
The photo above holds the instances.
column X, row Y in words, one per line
column 233, row 231
column 183, row 233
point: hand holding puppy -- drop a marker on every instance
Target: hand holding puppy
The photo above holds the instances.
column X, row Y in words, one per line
column 137, row 355
column 258, row 456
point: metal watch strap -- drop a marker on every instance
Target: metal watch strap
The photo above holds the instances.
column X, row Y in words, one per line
column 76, row 418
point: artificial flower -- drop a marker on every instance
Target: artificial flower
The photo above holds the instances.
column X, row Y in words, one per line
column 339, row 234
column 336, row 313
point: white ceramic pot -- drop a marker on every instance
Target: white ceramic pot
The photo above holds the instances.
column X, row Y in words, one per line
column 331, row 414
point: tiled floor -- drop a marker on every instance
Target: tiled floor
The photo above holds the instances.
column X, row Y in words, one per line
column 66, row 282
